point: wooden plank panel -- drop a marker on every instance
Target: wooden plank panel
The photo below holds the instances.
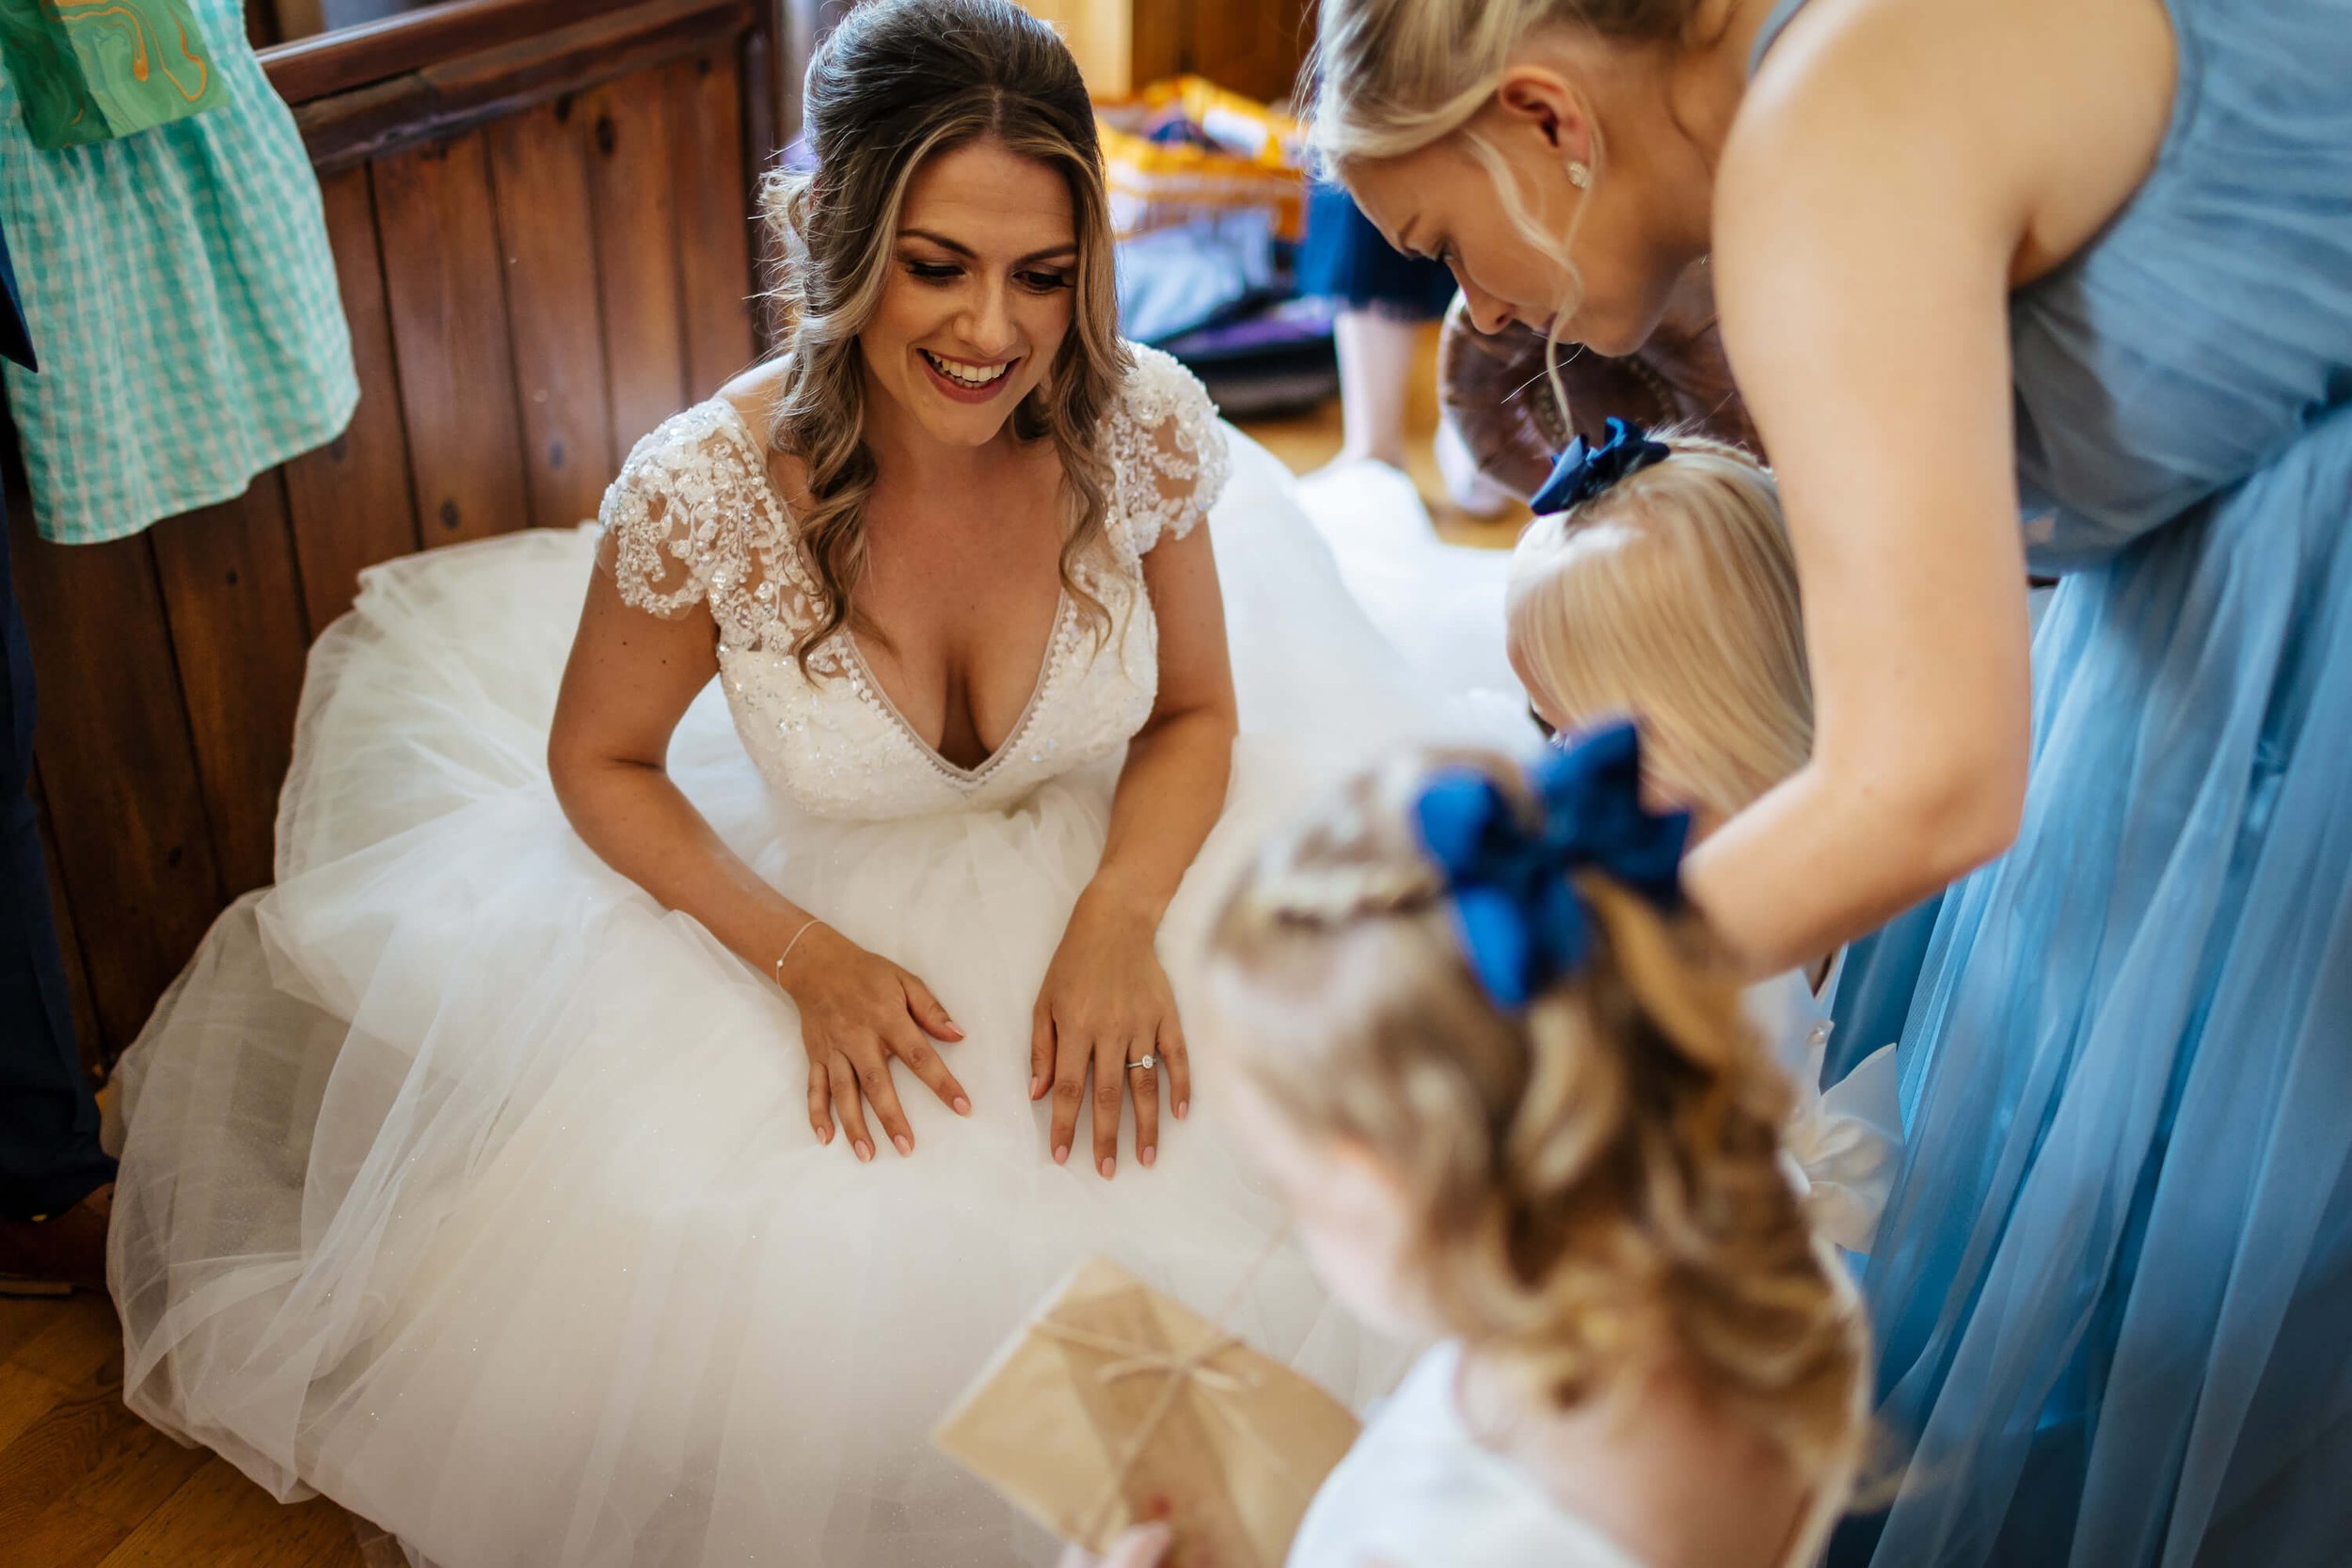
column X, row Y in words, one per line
column 547, row 230
column 1160, row 43
column 1253, row 46
column 637, row 263
column 76, row 1339
column 237, row 629
column 348, row 57
column 140, row 1471
column 76, row 1480
column 441, row 278
column 221, row 1517
column 466, row 92
column 765, row 100
column 25, row 1397
column 23, row 1321
column 70, row 945
column 1101, row 35
column 350, row 501
column 41, row 1465
column 715, row 228
column 131, row 840
column 64, row 1536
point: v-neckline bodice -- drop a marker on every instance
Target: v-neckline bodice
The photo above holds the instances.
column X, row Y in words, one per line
column 698, row 518
column 1055, row 639
column 844, row 640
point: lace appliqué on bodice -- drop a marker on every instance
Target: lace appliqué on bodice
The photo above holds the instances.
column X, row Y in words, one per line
column 694, row 520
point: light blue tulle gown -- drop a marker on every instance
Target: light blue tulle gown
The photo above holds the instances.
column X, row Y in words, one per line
column 2114, row 1285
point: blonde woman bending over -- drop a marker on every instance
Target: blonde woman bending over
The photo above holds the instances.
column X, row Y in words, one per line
column 2058, row 285
column 661, row 1078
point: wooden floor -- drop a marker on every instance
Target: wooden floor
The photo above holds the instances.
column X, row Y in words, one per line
column 84, row 1483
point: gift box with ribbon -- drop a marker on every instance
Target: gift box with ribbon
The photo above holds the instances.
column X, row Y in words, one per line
column 1117, row 1404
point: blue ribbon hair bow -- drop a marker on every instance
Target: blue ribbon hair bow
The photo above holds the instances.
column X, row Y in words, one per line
column 1583, row 473
column 1519, row 919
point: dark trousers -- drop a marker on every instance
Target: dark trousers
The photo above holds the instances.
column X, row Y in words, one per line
column 49, row 1154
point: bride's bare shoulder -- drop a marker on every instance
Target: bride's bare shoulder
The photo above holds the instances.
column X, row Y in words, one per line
column 755, row 393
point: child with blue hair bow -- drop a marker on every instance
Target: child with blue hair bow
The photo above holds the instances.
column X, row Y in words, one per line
column 1657, row 583
column 1507, row 1086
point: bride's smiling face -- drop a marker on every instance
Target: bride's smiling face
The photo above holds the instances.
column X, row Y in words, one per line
column 980, row 293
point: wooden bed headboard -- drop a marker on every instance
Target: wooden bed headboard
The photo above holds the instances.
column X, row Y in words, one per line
column 540, row 213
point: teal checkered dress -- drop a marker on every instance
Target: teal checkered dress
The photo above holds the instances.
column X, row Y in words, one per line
column 182, row 296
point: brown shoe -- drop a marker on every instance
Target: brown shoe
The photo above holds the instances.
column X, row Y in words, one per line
column 61, row 1254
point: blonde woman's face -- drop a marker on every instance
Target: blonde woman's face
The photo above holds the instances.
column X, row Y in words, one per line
column 981, row 292
column 1348, row 1208
column 1442, row 202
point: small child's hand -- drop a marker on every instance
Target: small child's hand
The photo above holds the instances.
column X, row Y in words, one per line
column 1143, row 1546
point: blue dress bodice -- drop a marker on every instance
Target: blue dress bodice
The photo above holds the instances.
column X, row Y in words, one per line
column 2210, row 325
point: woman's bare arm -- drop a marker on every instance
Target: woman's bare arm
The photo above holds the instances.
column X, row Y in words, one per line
column 1885, row 187
column 630, row 679
column 1173, row 785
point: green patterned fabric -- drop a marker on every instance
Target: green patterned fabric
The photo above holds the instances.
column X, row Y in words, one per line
column 89, row 70
column 181, row 293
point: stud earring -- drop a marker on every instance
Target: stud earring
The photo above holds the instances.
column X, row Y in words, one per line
column 1580, row 175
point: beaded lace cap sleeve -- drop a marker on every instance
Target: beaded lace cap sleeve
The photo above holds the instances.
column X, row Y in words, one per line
column 1167, row 451
column 694, row 520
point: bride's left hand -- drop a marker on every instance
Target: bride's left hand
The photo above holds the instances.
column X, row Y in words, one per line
column 1106, row 1004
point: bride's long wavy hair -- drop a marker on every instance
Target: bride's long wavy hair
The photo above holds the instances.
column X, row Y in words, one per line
column 897, row 82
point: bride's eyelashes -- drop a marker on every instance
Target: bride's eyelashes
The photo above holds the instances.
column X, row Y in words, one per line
column 1038, row 280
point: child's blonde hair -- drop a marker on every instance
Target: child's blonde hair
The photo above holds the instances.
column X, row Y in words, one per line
column 1596, row 1176
column 1671, row 596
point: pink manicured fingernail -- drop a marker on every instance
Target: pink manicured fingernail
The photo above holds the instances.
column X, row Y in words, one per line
column 1061, row 1152
column 1149, row 1154
column 1037, row 1087
column 1181, row 1106
column 963, row 1106
column 1109, row 1164
column 865, row 1149
column 825, row 1135
column 904, row 1143
column 956, row 1029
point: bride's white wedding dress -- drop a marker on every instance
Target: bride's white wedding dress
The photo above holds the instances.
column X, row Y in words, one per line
column 467, row 1186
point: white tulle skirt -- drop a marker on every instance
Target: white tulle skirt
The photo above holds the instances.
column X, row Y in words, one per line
column 463, row 1183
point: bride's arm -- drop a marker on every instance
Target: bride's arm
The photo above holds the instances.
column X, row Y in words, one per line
column 1106, row 999
column 1173, row 785
column 630, row 679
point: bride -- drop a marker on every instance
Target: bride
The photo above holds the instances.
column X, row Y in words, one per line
column 644, row 1101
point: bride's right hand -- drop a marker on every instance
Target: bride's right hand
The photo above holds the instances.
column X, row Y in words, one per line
column 858, row 1010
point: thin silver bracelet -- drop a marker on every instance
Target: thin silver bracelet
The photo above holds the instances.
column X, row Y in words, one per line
column 809, row 925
